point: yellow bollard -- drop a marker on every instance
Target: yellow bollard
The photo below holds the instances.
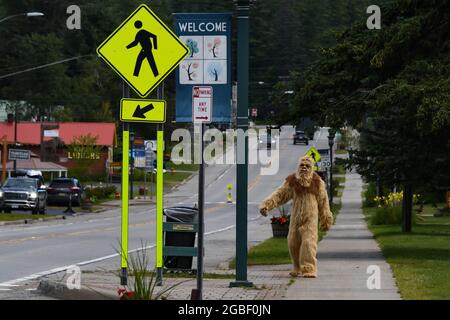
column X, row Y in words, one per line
column 229, row 194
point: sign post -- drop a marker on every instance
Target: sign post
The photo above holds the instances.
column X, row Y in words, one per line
column 243, row 12
column 203, row 85
column 125, row 196
column 142, row 37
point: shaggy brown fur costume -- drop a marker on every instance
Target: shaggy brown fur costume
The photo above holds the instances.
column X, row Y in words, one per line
column 310, row 208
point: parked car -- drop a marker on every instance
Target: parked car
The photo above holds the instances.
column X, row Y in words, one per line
column 266, row 141
column 23, row 193
column 60, row 189
column 300, row 137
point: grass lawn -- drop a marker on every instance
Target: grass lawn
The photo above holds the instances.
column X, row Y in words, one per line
column 341, row 151
column 19, row 216
column 275, row 251
column 420, row 260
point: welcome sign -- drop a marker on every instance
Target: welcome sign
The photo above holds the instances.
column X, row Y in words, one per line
column 208, row 37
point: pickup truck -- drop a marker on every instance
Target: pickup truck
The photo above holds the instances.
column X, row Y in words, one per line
column 23, row 193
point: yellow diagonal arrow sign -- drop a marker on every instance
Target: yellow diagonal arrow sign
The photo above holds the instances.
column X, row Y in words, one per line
column 143, row 110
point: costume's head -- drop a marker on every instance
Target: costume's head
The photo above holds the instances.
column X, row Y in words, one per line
column 305, row 170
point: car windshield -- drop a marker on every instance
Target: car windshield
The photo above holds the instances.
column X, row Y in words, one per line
column 20, row 183
column 62, row 184
column 300, row 132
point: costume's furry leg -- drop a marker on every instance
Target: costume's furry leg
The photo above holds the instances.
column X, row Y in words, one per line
column 294, row 243
column 308, row 250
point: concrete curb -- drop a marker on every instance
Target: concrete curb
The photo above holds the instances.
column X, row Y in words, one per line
column 58, row 290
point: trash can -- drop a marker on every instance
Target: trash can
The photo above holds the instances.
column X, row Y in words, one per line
column 181, row 216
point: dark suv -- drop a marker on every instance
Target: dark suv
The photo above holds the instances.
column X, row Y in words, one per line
column 23, row 193
column 300, row 137
column 60, row 189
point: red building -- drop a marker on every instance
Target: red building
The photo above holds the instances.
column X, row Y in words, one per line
column 54, row 142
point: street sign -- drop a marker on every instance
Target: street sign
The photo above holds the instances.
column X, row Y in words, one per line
column 143, row 37
column 208, row 37
column 19, row 154
column 324, row 162
column 51, row 133
column 202, row 98
column 142, row 110
column 313, row 153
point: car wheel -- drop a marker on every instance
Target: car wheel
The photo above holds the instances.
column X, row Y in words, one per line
column 7, row 210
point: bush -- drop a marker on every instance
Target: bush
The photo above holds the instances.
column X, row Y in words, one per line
column 386, row 216
column 369, row 196
column 100, row 192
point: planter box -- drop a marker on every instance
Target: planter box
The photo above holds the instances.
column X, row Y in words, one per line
column 280, row 230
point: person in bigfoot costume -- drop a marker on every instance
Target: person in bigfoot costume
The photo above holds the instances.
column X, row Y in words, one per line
column 310, row 209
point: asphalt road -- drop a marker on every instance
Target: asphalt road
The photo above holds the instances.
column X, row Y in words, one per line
column 29, row 251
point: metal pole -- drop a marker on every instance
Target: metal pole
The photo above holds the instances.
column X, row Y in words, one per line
column 15, row 136
column 125, row 200
column 331, row 174
column 159, row 197
column 243, row 10
column 201, row 223
column 145, row 182
column 131, row 165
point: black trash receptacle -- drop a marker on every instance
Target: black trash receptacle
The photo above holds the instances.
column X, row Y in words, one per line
column 180, row 239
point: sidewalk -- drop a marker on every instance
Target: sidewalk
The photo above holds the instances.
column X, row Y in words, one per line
column 344, row 255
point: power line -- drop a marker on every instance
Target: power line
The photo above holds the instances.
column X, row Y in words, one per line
column 44, row 66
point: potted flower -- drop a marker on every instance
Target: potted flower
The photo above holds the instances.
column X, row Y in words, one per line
column 280, row 224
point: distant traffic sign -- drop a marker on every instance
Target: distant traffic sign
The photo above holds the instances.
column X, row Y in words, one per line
column 19, row 154
column 143, row 37
column 313, row 153
column 143, row 110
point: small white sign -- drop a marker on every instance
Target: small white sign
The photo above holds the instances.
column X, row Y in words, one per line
column 150, row 145
column 202, row 98
column 51, row 133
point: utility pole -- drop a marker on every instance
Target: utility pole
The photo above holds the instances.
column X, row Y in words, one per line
column 15, row 136
column 243, row 11
column 330, row 144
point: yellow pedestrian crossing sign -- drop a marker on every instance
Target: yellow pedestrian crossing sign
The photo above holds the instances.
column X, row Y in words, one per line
column 313, row 153
column 143, row 50
column 143, row 110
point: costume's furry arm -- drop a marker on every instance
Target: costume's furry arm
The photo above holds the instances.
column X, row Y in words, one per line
column 279, row 197
column 325, row 215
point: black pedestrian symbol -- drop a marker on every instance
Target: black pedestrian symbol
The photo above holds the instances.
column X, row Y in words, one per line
column 144, row 38
column 313, row 155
